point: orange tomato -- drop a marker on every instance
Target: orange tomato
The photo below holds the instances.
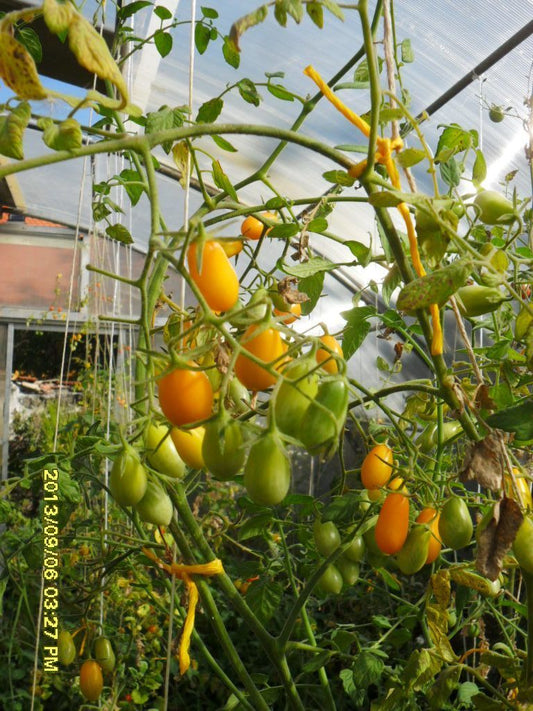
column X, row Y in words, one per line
column 188, row 444
column 325, row 358
column 377, row 467
column 91, row 680
column 393, row 523
column 294, row 312
column 430, row 516
column 217, row 280
column 252, row 228
column 231, row 246
column 185, row 396
column 267, row 346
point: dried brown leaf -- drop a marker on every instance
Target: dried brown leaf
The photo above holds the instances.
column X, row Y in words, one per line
column 286, row 287
column 496, row 537
column 485, row 463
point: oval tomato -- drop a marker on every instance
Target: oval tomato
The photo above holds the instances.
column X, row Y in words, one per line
column 252, row 228
column 216, row 278
column 223, row 448
column 331, row 581
column 323, row 421
column 162, row 453
column 431, row 517
column 188, row 444
column 104, row 654
column 523, row 545
column 268, row 346
column 393, row 523
column 66, row 649
column 414, row 552
column 326, row 357
column 455, row 524
column 127, row 481
column 494, row 208
column 185, row 396
column 155, row 506
column 348, row 569
column 522, row 484
column 290, row 313
column 91, row 680
column 356, row 551
column 376, row 469
column 327, row 537
column 296, row 390
column 267, row 473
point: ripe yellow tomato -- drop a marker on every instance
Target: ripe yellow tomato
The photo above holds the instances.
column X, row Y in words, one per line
column 91, row 680
column 252, row 228
column 522, row 485
column 189, row 445
column 431, row 517
column 324, row 355
column 185, row 396
column 294, row 312
column 376, row 469
column 216, row 279
column 268, row 346
column 393, row 523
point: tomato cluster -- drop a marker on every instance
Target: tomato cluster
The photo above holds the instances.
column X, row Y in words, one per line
column 345, row 570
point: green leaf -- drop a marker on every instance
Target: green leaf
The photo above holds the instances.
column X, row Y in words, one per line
column 222, row 181
column 280, row 13
column 119, row 233
column 209, row 12
column 131, row 8
column 517, row 419
column 280, row 92
column 450, row 172
column 163, row 119
column 284, row 230
column 264, row 598
column 340, row 177
column 479, row 171
column 255, row 526
column 421, row 667
column 294, row 8
column 348, row 682
column 210, row 110
column 466, row 691
column 452, row 140
column 12, row 130
column 202, row 36
column 162, row 12
column 356, row 329
column 391, row 281
column 434, row 288
column 367, row 669
column 446, row 683
column 361, row 74
column 316, row 12
column 318, row 225
column 133, row 184
column 163, row 42
column 317, row 661
column 306, row 269
column 408, row 55
column 248, row 91
column 334, row 8
column 64, row 136
column 244, row 23
column 30, row 39
column 485, row 703
column 410, row 157
column 341, row 509
column 384, row 199
column 231, row 53
column 224, row 144
column 312, row 286
column 360, row 251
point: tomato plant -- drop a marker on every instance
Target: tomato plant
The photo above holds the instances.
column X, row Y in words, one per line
column 185, row 396
column 91, row 680
column 214, row 275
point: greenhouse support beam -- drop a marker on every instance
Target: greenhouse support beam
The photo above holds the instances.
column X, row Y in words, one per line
column 474, row 73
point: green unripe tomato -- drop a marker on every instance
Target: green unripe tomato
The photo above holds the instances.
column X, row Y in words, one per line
column 496, row 113
column 66, row 649
column 356, row 551
column 127, row 480
column 324, row 419
column 155, row 506
column 238, row 399
column 414, row 552
column 327, row 537
column 455, row 524
column 161, row 452
column 475, row 300
column 523, row 545
column 104, row 654
column 348, row 569
column 223, row 448
column 267, row 472
column 331, row 581
column 494, row 208
column 295, row 391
